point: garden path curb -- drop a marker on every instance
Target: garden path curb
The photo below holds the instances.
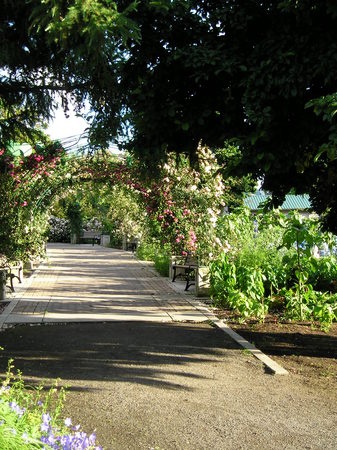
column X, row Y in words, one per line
column 271, row 365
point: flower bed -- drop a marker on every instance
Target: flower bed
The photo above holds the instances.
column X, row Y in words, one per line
column 31, row 419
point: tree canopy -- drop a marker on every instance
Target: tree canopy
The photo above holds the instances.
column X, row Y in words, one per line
column 64, row 49
column 261, row 74
column 166, row 74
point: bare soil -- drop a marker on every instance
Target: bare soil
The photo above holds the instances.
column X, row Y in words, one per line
column 303, row 348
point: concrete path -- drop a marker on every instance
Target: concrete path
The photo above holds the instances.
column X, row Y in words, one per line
column 84, row 283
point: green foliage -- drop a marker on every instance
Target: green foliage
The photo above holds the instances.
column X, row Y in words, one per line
column 301, row 234
column 248, row 73
column 323, row 273
column 31, row 417
column 314, row 306
column 147, row 250
column 229, row 158
column 255, row 243
column 125, row 212
column 269, row 266
column 162, row 262
column 241, row 289
column 326, row 107
column 151, row 250
column 260, row 74
column 70, row 49
column 74, row 215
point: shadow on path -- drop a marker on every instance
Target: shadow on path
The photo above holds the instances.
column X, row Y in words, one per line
column 293, row 344
column 133, row 352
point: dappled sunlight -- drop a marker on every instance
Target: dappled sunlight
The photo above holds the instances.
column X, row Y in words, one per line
column 135, row 352
column 100, row 288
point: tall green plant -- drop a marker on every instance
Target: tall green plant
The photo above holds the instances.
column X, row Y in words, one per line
column 302, row 234
column 241, row 289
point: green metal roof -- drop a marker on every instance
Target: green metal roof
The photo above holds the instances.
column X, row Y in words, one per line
column 299, row 202
column 18, row 149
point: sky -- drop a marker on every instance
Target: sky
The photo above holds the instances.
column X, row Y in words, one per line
column 68, row 130
column 63, row 127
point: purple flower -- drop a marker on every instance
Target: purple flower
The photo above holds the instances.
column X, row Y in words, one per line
column 77, row 440
column 16, row 408
column 45, row 426
column 68, row 422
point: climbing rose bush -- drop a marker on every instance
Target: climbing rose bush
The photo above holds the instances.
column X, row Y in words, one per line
column 183, row 208
column 27, row 187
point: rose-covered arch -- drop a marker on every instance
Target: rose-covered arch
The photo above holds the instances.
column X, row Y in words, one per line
column 180, row 205
column 29, row 183
column 26, row 189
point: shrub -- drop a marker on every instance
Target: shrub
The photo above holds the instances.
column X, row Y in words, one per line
column 146, row 251
column 152, row 251
column 323, row 273
column 162, row 263
column 59, row 230
column 270, row 266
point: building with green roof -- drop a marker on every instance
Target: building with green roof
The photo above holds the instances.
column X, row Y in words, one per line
column 292, row 202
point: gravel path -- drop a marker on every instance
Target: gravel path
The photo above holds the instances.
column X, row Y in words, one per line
column 172, row 386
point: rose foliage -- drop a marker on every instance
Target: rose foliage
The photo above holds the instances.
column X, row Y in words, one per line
column 27, row 186
column 183, row 207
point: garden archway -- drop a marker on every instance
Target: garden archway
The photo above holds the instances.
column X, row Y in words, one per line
column 180, row 206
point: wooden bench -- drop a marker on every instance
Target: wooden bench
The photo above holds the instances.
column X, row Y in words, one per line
column 14, row 269
column 93, row 235
column 131, row 246
column 185, row 268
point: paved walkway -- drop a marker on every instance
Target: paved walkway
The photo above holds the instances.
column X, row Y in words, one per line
column 83, row 283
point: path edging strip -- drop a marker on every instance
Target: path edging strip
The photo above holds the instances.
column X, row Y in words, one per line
column 272, row 365
column 267, row 361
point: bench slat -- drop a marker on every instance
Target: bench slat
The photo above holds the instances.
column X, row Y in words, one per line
column 89, row 234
